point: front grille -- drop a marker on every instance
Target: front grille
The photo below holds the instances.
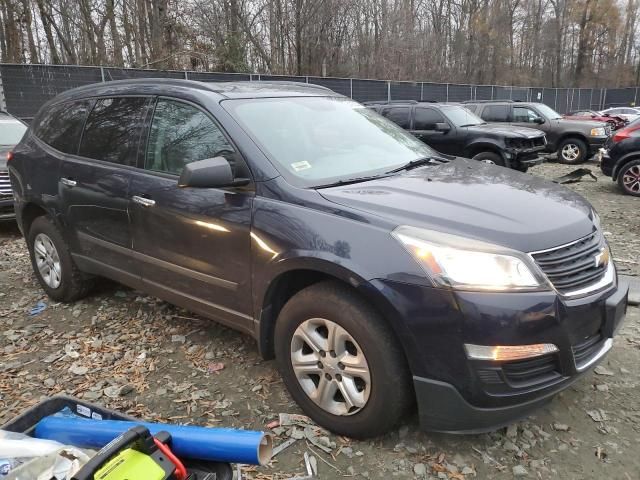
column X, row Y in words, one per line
column 532, row 371
column 573, row 266
column 5, row 184
column 585, row 350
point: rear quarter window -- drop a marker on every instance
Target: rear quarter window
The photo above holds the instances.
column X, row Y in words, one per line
column 61, row 125
column 398, row 115
column 112, row 131
column 495, row 113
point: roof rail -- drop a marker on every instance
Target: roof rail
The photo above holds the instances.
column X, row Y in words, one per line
column 491, row 101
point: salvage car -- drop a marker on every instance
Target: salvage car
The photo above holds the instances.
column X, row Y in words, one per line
column 621, row 158
column 11, row 131
column 575, row 141
column 377, row 273
column 454, row 130
column 630, row 114
column 615, row 122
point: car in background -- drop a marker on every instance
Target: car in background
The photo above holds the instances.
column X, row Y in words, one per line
column 11, row 132
column 454, row 130
column 621, row 158
column 616, row 122
column 574, row 140
column 628, row 113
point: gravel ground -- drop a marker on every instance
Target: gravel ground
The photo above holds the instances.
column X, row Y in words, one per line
column 134, row 353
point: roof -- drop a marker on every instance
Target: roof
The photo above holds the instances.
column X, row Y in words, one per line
column 243, row 89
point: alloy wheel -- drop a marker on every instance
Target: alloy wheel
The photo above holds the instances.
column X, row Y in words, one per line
column 47, row 260
column 570, row 152
column 631, row 179
column 330, row 366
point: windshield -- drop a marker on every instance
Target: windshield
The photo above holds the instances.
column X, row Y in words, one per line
column 11, row 132
column 547, row 111
column 461, row 117
column 315, row 141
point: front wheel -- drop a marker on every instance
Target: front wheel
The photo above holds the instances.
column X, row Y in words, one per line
column 572, row 151
column 341, row 362
column 490, row 157
column 629, row 178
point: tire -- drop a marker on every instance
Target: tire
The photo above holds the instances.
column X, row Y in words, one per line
column 572, row 151
column 490, row 157
column 65, row 282
column 629, row 178
column 362, row 334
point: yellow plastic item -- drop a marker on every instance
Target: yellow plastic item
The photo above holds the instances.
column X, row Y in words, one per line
column 130, row 464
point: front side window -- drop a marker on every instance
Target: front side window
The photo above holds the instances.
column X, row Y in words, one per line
column 181, row 134
column 496, row 113
column 113, row 128
column 315, row 141
column 398, row 115
column 61, row 126
column 426, row 119
column 525, row 115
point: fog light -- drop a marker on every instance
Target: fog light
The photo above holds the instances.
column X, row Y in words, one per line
column 508, row 352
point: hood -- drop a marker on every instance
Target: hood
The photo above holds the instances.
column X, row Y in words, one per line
column 475, row 200
column 586, row 124
column 508, row 131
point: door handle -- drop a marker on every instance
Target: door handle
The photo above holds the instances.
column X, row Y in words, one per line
column 145, row 202
column 68, row 182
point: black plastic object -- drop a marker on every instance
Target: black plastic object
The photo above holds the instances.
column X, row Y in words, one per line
column 137, row 438
column 27, row 420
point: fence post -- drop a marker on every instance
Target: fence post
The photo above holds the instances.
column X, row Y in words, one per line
column 306, row 79
column 388, row 91
column 102, row 73
column 3, row 101
column 604, row 99
column 421, row 90
column 447, row 92
column 186, row 75
column 635, row 97
column 351, row 88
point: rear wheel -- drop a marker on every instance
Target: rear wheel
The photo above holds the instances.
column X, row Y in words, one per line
column 629, row 178
column 490, row 157
column 341, row 362
column 51, row 259
column 572, row 151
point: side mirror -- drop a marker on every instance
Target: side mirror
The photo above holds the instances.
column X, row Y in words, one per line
column 208, row 173
column 538, row 120
column 442, row 127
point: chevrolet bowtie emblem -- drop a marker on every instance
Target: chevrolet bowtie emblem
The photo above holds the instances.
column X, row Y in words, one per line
column 602, row 258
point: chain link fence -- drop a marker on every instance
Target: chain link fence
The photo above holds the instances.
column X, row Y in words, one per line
column 25, row 88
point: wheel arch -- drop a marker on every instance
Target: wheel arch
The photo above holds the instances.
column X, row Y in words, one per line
column 483, row 146
column 28, row 213
column 630, row 157
column 289, row 282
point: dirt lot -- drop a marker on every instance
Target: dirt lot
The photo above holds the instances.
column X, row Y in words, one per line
column 137, row 354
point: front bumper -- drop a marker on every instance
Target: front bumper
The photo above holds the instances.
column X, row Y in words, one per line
column 455, row 394
column 7, row 211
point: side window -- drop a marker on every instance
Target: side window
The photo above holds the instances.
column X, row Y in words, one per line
column 61, row 126
column 496, row 113
column 181, row 134
column 399, row 115
column 113, row 128
column 524, row 115
column 426, row 119
column 471, row 108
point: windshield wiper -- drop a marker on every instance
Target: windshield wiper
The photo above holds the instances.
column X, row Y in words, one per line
column 349, row 181
column 431, row 160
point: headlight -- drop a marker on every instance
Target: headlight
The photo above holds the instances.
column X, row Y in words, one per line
column 458, row 262
column 598, row 132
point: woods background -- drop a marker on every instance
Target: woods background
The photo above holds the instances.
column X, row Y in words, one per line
column 515, row 42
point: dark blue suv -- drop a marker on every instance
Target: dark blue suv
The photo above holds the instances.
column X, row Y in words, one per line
column 376, row 271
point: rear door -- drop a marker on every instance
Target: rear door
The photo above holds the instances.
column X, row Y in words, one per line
column 193, row 243
column 94, row 186
column 427, row 126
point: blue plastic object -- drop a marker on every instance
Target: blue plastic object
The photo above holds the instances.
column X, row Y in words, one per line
column 202, row 443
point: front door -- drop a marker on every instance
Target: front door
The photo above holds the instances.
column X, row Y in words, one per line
column 194, row 243
column 94, row 185
column 430, row 126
